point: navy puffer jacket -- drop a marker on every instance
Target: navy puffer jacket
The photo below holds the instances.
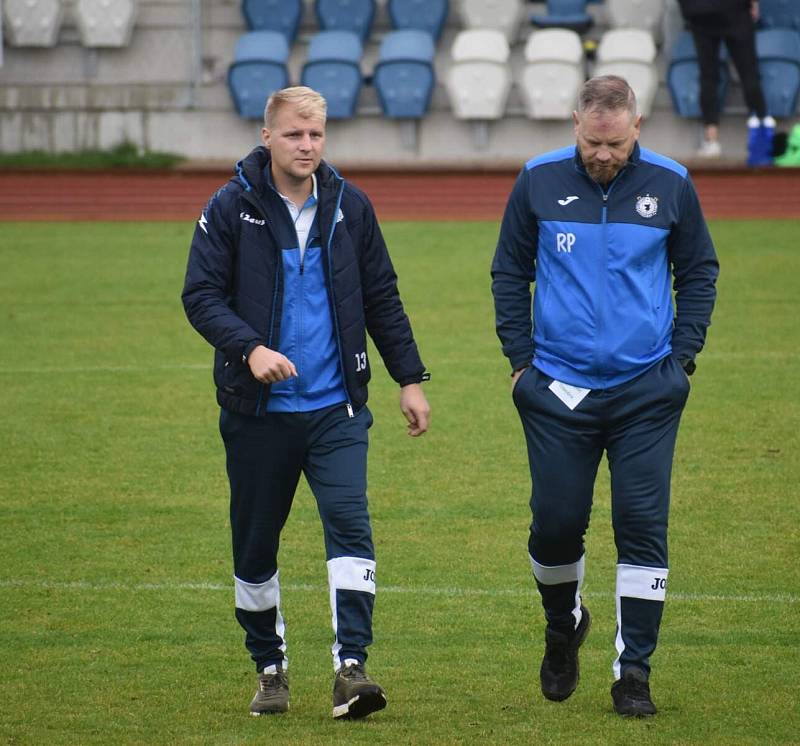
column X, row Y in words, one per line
column 232, row 294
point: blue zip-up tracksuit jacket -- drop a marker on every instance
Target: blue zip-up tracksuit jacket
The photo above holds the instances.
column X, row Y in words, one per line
column 242, row 277
column 602, row 261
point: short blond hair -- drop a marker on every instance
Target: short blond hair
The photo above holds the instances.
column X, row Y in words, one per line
column 309, row 103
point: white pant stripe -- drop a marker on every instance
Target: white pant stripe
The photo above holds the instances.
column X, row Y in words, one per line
column 557, row 574
column 347, row 573
column 262, row 597
column 257, row 596
column 649, row 583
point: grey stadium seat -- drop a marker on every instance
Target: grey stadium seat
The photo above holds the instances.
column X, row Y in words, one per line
column 553, row 74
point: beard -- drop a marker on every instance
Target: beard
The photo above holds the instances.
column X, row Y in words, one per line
column 603, row 173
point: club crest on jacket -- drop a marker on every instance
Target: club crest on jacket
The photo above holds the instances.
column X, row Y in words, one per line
column 647, row 206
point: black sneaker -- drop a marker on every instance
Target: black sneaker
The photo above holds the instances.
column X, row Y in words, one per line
column 355, row 695
column 631, row 694
column 560, row 671
column 272, row 695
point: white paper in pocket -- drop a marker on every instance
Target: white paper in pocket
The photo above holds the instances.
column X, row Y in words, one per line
column 570, row 395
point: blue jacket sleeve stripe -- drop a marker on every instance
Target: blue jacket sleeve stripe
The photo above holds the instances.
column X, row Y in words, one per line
column 648, row 156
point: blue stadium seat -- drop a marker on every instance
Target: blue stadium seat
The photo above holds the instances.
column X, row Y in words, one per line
column 778, row 52
column 683, row 77
column 424, row 15
column 779, row 14
column 569, row 14
column 404, row 76
column 333, row 68
column 257, row 71
column 273, row 15
column 346, row 15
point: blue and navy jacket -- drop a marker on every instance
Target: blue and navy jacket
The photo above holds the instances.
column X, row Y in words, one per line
column 602, row 260
column 245, row 287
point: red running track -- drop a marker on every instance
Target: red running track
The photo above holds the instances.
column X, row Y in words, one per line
column 403, row 195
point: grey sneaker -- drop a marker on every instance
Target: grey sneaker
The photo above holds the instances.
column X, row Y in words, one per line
column 272, row 695
column 355, row 695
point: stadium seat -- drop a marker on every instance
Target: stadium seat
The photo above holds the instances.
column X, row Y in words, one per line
column 274, row 15
column 257, row 71
column 779, row 14
column 683, row 77
column 504, row 15
column 778, row 52
column 642, row 14
column 105, row 23
column 422, row 15
column 346, row 15
column 479, row 79
column 34, row 24
column 630, row 53
column 404, row 76
column 553, row 74
column 333, row 68
column 569, row 14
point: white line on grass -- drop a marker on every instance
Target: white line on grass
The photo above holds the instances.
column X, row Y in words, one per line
column 83, row 585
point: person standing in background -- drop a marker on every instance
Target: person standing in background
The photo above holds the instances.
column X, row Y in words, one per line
column 732, row 22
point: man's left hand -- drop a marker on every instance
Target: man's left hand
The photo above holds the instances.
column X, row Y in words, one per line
column 415, row 408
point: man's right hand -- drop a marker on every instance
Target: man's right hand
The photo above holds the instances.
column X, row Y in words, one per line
column 269, row 366
column 515, row 376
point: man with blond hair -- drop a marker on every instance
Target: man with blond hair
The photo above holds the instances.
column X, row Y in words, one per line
column 601, row 365
column 287, row 273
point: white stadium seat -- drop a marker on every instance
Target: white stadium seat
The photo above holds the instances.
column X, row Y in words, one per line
column 641, row 14
column 626, row 44
column 503, row 15
column 553, row 73
column 32, row 23
column 105, row 23
column 479, row 79
column 630, row 53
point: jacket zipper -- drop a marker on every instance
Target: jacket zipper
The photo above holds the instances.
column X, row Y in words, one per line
column 348, row 403
column 278, row 279
column 604, row 220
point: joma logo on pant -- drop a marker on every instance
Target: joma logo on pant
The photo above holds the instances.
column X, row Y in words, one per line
column 659, row 584
column 369, row 575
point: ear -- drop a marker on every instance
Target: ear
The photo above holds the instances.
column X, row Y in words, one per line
column 265, row 137
column 637, row 126
column 576, row 122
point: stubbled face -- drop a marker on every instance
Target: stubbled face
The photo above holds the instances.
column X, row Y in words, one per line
column 605, row 141
column 296, row 144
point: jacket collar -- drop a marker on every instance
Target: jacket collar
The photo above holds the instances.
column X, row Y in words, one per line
column 252, row 172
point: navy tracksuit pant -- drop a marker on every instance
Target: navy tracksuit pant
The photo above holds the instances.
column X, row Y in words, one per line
column 265, row 457
column 636, row 424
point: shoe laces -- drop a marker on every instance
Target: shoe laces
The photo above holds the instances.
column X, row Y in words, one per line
column 354, row 672
column 556, row 644
column 272, row 681
column 637, row 689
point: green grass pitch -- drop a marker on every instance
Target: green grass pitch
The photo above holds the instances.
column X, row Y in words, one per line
column 116, row 620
